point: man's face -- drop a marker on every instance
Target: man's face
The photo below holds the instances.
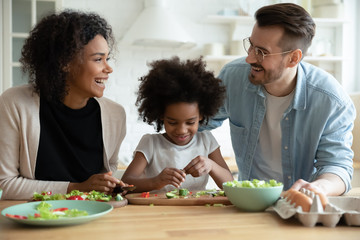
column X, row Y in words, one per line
column 271, row 68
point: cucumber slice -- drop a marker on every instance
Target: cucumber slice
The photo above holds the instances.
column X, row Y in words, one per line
column 170, row 195
column 183, row 192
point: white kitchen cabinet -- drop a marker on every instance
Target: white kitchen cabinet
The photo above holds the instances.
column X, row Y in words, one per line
column 326, row 50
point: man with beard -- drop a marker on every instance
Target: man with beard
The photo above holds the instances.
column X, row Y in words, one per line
column 289, row 120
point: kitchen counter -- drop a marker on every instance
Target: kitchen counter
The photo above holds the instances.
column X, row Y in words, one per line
column 180, row 222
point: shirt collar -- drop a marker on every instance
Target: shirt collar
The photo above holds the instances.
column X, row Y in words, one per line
column 299, row 102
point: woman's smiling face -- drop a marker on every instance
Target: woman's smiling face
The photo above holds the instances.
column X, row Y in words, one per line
column 181, row 122
column 88, row 73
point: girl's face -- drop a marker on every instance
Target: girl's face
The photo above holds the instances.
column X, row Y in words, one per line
column 88, row 73
column 181, row 122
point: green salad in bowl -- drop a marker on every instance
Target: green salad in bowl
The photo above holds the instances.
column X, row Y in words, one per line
column 256, row 195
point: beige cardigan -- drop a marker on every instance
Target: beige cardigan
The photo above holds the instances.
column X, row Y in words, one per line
column 19, row 139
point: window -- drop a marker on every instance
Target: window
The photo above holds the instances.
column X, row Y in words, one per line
column 357, row 45
column 19, row 16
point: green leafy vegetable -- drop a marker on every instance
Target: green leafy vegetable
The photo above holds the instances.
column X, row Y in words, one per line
column 73, row 195
column 211, row 192
column 46, row 213
column 43, row 205
column 185, row 193
column 255, row 183
column 98, row 196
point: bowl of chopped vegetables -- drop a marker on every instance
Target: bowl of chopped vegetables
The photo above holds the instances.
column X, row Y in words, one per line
column 253, row 196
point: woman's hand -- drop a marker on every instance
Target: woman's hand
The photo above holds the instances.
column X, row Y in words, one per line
column 199, row 166
column 102, row 182
column 170, row 176
column 118, row 188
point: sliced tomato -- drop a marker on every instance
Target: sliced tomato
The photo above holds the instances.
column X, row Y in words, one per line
column 15, row 216
column 46, row 193
column 60, row 209
column 145, row 194
column 75, row 198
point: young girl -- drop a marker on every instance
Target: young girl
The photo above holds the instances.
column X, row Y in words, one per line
column 177, row 96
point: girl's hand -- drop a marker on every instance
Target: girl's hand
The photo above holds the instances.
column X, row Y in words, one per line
column 199, row 166
column 102, row 182
column 170, row 176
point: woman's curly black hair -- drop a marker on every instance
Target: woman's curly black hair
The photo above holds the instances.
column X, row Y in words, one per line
column 54, row 42
column 173, row 81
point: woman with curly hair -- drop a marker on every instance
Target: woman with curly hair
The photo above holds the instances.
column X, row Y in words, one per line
column 58, row 133
column 177, row 96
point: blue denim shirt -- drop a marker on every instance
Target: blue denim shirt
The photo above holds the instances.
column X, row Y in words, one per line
column 316, row 127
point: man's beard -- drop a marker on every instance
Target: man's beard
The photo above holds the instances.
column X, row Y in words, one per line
column 269, row 76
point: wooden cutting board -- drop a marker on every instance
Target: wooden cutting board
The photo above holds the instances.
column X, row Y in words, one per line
column 117, row 204
column 161, row 199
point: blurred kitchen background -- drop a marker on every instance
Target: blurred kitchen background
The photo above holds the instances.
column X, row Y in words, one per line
column 147, row 30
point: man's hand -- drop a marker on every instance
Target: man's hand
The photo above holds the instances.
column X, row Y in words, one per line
column 329, row 184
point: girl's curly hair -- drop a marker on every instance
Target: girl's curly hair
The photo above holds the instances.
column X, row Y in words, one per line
column 54, row 42
column 172, row 81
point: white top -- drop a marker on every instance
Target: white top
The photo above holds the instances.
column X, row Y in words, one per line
column 267, row 160
column 161, row 153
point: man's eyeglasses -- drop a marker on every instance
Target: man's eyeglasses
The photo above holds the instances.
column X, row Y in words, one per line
column 259, row 54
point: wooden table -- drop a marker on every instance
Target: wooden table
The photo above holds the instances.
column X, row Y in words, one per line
column 180, row 222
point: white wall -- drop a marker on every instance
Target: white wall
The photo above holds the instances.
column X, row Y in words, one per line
column 1, row 48
column 351, row 27
column 131, row 62
column 357, row 51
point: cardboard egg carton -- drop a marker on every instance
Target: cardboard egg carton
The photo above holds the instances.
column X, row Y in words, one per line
column 336, row 208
